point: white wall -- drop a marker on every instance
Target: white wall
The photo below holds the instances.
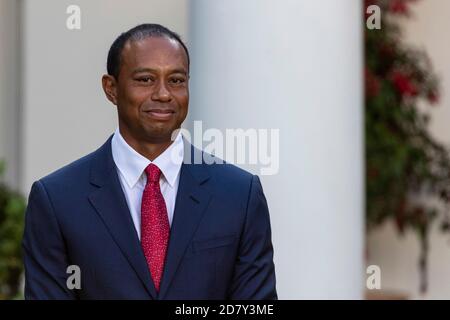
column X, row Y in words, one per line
column 294, row 66
column 65, row 113
column 9, row 89
column 398, row 256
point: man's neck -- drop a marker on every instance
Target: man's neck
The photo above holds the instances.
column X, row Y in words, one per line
column 147, row 149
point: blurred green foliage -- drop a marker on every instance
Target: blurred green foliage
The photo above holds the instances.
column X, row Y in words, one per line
column 407, row 169
column 12, row 210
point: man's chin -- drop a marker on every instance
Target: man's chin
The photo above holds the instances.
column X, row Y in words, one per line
column 158, row 135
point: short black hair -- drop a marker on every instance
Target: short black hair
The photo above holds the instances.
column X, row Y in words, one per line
column 137, row 33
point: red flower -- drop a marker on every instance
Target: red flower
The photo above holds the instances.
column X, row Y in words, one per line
column 400, row 7
column 368, row 3
column 387, row 50
column 372, row 83
column 433, row 97
column 404, row 84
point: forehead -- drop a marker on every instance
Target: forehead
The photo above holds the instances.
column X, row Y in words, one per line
column 154, row 52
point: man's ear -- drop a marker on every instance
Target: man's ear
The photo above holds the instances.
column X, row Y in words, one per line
column 110, row 88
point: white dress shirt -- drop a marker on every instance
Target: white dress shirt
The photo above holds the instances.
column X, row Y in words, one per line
column 130, row 168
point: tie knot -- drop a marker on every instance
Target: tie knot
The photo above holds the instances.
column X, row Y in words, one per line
column 153, row 173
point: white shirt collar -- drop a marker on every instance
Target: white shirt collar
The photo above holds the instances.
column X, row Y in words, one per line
column 131, row 164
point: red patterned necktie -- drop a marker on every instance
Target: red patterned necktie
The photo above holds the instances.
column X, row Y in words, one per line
column 154, row 224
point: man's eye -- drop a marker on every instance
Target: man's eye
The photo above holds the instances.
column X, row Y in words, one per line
column 177, row 81
column 144, row 79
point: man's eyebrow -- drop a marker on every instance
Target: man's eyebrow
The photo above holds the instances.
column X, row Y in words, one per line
column 183, row 71
column 142, row 70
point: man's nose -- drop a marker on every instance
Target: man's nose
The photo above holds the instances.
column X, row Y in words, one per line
column 161, row 93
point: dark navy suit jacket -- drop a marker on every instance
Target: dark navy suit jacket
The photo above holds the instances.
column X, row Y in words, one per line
column 219, row 247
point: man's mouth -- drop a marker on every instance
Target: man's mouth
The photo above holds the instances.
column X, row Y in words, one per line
column 160, row 114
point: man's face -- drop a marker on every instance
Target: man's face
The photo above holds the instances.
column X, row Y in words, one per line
column 151, row 92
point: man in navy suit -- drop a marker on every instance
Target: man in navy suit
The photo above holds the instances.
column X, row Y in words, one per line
column 139, row 217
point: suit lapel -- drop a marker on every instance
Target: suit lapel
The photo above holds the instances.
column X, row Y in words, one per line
column 191, row 203
column 110, row 203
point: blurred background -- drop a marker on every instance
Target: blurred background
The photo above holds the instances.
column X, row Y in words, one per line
column 364, row 169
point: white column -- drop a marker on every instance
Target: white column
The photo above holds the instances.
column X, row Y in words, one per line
column 295, row 66
column 9, row 89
